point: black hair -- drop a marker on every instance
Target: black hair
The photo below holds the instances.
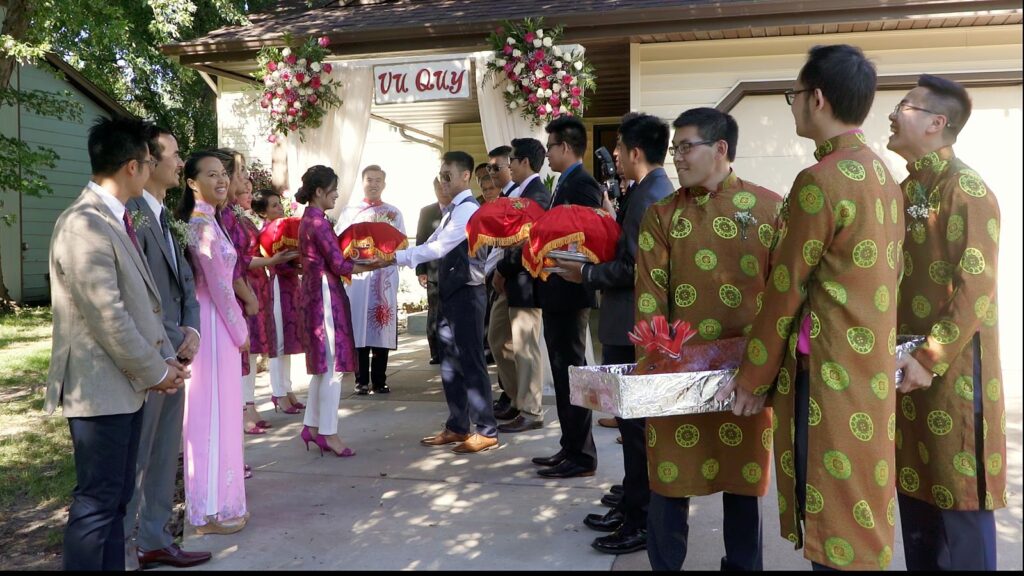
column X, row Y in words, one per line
column 481, row 166
column 646, row 132
column 569, row 129
column 948, row 98
column 115, row 141
column 531, row 150
column 318, row 176
column 261, row 200
column 713, row 125
column 373, row 168
column 845, row 77
column 153, row 134
column 505, row 151
column 460, row 159
column 188, row 196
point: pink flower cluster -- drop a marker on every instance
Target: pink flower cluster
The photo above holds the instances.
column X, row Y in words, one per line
column 543, row 80
column 294, row 86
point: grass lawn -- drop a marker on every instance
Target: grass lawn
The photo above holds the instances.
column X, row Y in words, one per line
column 37, row 472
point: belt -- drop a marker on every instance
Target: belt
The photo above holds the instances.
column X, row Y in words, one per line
column 803, row 362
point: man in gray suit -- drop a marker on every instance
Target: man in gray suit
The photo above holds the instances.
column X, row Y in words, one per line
column 109, row 342
column 157, row 465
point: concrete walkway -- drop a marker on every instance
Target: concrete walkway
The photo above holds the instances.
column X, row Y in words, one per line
column 398, row 505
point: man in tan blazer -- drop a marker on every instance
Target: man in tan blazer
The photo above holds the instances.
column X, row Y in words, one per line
column 109, row 343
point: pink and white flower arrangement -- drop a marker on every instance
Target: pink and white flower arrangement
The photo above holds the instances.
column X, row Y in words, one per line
column 543, row 81
column 298, row 89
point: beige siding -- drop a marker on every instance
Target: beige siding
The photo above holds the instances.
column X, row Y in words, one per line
column 241, row 123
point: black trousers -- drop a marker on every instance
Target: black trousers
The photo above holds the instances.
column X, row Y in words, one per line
column 936, row 539
column 433, row 309
column 801, row 413
column 375, row 371
column 565, row 333
column 636, row 489
column 668, row 529
column 106, row 448
column 467, row 386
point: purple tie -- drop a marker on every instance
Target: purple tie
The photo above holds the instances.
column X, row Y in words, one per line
column 131, row 231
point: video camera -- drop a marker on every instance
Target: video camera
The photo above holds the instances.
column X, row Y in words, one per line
column 606, row 172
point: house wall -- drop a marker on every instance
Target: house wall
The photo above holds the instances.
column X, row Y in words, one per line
column 25, row 270
column 672, row 77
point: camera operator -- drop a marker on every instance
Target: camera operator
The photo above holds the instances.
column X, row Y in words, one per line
column 641, row 149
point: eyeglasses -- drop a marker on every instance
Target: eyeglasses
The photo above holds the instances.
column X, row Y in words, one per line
column 553, row 144
column 512, row 159
column 684, row 147
column 497, row 167
column 445, row 176
column 791, row 95
column 900, row 107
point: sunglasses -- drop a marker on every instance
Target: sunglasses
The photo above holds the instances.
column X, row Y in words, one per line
column 497, row 167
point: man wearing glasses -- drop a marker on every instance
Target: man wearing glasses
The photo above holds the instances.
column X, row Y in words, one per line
column 467, row 387
column 515, row 317
column 566, row 307
column 824, row 339
column 953, row 448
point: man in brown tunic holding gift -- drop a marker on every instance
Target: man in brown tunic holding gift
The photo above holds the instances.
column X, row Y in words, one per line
column 951, row 425
column 824, row 342
column 703, row 259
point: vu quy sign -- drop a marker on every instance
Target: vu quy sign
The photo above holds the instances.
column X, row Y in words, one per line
column 422, row 82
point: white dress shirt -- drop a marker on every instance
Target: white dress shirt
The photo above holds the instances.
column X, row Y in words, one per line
column 449, row 233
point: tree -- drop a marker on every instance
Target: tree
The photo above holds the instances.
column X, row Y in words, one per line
column 116, row 45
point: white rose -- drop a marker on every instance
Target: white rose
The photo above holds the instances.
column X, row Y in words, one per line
column 510, row 88
column 520, row 101
column 564, row 94
column 510, row 40
column 578, row 65
column 280, row 90
column 512, row 105
column 301, row 63
column 547, row 41
column 297, row 104
column 560, row 73
column 519, row 67
column 537, row 42
column 538, row 73
column 557, row 51
column 286, row 52
column 540, row 92
column 562, row 109
column 547, row 93
column 268, row 80
column 276, row 74
column 500, row 62
column 558, row 63
column 516, row 53
column 315, row 66
column 556, row 87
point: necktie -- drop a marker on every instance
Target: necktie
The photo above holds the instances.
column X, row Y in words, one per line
column 131, row 231
column 165, row 227
column 447, row 215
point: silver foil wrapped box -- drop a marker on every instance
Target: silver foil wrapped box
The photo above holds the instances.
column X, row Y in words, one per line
column 616, row 390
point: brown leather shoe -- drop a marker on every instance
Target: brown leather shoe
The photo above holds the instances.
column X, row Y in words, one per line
column 171, row 556
column 476, row 443
column 607, row 422
column 521, row 424
column 444, row 437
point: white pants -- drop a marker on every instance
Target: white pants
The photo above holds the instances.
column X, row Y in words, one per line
column 325, row 389
column 281, row 366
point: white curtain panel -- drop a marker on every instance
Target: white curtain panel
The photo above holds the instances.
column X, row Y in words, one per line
column 340, row 139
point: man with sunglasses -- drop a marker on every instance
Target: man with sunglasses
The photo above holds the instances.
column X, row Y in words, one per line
column 824, row 340
column 467, row 387
column 498, row 165
column 953, row 450
column 566, row 307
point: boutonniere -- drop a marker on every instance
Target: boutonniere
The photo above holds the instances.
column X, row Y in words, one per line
column 255, row 219
column 139, row 219
column 744, row 218
column 182, row 233
column 388, row 217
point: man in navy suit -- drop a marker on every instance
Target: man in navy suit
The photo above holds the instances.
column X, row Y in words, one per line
column 641, row 148
column 566, row 307
column 515, row 316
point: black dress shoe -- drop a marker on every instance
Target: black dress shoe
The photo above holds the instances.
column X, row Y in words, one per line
column 488, row 357
column 521, row 424
column 555, row 460
column 362, row 389
column 566, row 469
column 609, row 522
column 509, row 413
column 383, row 389
column 171, row 556
column 616, row 489
column 611, row 500
column 434, row 360
column 621, row 541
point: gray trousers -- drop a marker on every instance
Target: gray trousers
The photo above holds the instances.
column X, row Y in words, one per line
column 155, row 472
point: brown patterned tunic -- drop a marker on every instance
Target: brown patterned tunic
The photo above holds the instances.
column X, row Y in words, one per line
column 949, row 293
column 837, row 260
column 703, row 259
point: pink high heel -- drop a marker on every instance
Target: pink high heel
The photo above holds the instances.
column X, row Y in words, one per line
column 321, row 441
column 293, row 409
column 307, row 437
column 299, row 405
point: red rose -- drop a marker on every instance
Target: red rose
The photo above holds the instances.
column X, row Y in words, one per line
column 567, row 79
column 299, row 77
column 291, row 59
column 507, row 49
column 272, row 138
column 292, row 111
column 548, row 71
column 323, row 41
column 327, row 68
column 312, row 99
column 530, row 37
column 554, row 102
column 538, row 55
column 286, row 76
column 315, row 82
column 576, row 103
column 264, row 103
column 509, row 68
column 544, row 83
column 532, row 99
column 271, row 66
column 304, row 114
column 576, row 91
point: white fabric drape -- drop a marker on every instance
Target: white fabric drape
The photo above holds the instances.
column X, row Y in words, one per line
column 340, row 139
column 500, row 124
